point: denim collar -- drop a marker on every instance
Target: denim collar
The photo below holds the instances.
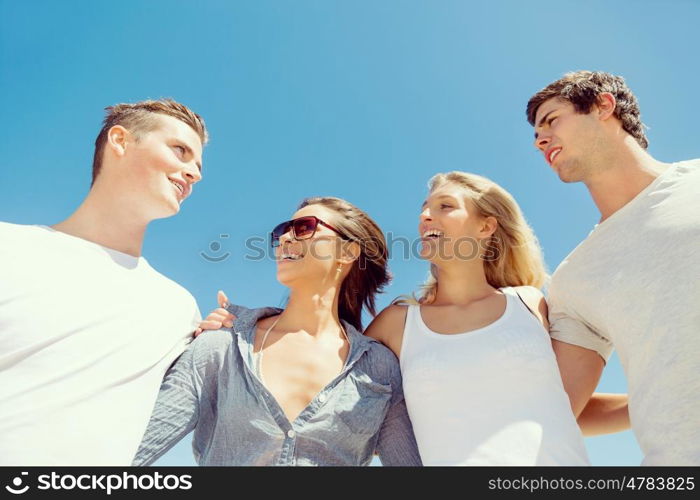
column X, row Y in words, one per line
column 246, row 320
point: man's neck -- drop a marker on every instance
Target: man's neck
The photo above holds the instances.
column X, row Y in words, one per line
column 627, row 173
column 105, row 223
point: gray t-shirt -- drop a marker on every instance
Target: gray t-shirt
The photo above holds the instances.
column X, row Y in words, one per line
column 633, row 283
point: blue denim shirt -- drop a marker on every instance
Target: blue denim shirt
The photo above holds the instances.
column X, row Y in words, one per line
column 213, row 390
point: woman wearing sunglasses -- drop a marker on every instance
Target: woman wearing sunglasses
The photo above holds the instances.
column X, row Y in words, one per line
column 480, row 377
column 299, row 386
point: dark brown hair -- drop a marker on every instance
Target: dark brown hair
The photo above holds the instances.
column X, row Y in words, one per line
column 582, row 88
column 140, row 118
column 369, row 273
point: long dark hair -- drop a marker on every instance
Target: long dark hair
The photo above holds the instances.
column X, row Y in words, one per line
column 369, row 273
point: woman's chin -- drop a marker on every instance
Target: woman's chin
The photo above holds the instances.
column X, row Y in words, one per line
column 428, row 252
column 287, row 273
column 432, row 256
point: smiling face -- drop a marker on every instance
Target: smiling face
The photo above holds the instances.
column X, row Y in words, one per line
column 313, row 260
column 571, row 142
column 450, row 225
column 158, row 168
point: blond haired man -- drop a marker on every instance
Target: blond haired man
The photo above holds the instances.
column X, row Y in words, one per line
column 81, row 357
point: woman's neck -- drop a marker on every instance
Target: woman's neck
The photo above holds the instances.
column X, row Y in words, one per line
column 315, row 312
column 461, row 284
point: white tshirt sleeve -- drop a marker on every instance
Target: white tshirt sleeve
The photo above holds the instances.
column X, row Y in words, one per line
column 566, row 326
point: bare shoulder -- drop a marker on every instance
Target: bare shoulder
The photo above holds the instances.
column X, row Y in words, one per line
column 387, row 322
column 387, row 327
column 535, row 301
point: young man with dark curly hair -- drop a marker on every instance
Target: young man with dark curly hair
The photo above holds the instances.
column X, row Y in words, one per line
column 632, row 284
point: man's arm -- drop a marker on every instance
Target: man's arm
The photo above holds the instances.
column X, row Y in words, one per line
column 581, row 353
column 605, row 414
column 580, row 370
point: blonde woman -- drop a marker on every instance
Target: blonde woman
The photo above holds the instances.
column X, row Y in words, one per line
column 480, row 376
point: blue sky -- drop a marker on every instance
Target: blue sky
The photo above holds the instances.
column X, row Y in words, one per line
column 364, row 100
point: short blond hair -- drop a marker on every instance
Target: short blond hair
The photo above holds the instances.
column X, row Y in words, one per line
column 140, row 118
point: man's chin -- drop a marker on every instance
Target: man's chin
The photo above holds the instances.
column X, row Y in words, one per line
column 167, row 211
column 568, row 179
column 568, row 175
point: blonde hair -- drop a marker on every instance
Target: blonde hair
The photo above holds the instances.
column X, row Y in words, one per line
column 140, row 118
column 513, row 256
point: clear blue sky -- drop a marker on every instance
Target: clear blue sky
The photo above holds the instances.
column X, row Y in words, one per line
column 365, row 100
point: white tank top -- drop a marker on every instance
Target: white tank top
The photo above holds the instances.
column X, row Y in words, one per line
column 491, row 396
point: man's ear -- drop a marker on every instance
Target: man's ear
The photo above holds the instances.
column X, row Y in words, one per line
column 605, row 104
column 350, row 252
column 488, row 227
column 117, row 138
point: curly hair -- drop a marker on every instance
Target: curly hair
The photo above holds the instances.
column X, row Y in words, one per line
column 582, row 88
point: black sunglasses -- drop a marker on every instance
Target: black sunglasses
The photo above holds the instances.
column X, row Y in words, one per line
column 302, row 228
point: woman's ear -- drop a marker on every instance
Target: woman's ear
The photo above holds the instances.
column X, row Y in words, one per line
column 349, row 252
column 488, row 227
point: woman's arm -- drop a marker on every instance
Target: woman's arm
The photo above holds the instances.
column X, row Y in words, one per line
column 605, row 414
column 387, row 327
column 397, row 445
column 176, row 410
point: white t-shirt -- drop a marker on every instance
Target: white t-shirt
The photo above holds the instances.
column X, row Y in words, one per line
column 634, row 284
column 492, row 396
column 86, row 335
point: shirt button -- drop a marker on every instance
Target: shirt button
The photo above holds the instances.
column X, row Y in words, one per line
column 291, row 433
column 322, row 398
